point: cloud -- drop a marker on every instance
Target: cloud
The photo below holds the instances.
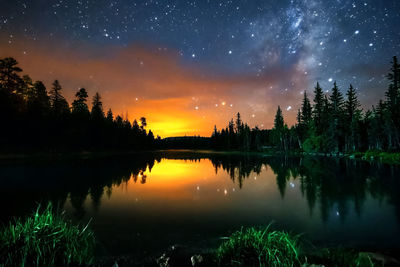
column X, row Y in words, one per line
column 177, row 98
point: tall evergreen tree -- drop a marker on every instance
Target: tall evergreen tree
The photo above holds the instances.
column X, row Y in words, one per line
column 26, row 88
column 298, row 117
column 238, row 123
column 278, row 121
column 353, row 115
column 97, row 112
column 279, row 133
column 318, row 108
column 393, row 105
column 336, row 118
column 336, row 99
column 143, row 123
column 9, row 75
column 79, row 106
column 38, row 100
column 110, row 116
column 394, row 74
column 306, row 110
column 59, row 105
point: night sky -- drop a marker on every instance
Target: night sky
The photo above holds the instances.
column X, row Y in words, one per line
column 187, row 65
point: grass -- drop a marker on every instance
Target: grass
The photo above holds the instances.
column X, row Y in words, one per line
column 256, row 247
column 339, row 257
column 264, row 247
column 45, row 239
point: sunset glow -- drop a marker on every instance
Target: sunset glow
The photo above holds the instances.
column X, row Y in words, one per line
column 188, row 71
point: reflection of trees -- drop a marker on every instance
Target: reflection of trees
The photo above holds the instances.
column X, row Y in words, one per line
column 96, row 192
column 238, row 167
column 77, row 180
column 78, row 198
column 333, row 185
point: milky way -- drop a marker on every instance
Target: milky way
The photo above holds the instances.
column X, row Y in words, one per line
column 301, row 42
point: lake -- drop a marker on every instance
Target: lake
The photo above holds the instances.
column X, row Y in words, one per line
column 142, row 203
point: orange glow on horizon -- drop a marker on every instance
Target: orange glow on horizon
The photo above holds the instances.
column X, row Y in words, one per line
column 175, row 97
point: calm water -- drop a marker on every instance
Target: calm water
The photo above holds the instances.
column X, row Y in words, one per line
column 148, row 202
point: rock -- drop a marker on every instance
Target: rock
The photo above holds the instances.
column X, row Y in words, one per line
column 175, row 256
column 196, row 260
column 381, row 258
column 163, row 261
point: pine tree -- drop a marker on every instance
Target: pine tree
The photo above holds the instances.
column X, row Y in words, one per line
column 143, row 123
column 79, row 106
column 328, row 140
column 59, row 105
column 353, row 114
column 336, row 118
column 150, row 139
column 38, row 100
column 215, row 132
column 298, row 117
column 394, row 75
column 278, row 121
column 26, row 90
column 306, row 110
column 336, row 99
column 393, row 105
column 279, row 133
column 318, row 108
column 97, row 112
column 9, row 75
column 238, row 124
column 352, row 104
column 110, row 116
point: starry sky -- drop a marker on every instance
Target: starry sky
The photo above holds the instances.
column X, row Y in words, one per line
column 187, row 65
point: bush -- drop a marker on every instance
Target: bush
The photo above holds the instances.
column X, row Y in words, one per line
column 45, row 239
column 252, row 247
column 312, row 144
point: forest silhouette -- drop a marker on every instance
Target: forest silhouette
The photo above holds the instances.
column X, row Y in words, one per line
column 39, row 119
column 333, row 123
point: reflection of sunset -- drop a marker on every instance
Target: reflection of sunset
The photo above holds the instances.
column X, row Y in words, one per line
column 174, row 178
column 178, row 172
column 180, row 180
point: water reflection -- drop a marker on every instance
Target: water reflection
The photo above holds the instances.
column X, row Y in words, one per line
column 180, row 190
column 331, row 183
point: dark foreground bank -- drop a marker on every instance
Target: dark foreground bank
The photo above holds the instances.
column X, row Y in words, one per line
column 47, row 239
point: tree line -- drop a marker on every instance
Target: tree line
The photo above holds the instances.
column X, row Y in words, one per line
column 34, row 118
column 333, row 123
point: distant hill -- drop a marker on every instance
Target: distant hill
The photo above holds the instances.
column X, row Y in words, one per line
column 185, row 142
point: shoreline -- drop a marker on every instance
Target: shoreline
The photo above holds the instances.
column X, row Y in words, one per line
column 369, row 156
